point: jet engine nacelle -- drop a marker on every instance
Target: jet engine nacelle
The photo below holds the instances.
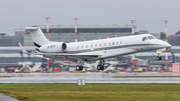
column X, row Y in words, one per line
column 53, row 47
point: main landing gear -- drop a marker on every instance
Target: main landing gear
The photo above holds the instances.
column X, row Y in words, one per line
column 80, row 61
column 159, row 57
column 79, row 67
column 100, row 67
column 101, row 64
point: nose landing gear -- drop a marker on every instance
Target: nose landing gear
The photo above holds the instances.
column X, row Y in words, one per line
column 159, row 57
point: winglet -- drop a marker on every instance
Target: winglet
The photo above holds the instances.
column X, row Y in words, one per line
column 24, row 51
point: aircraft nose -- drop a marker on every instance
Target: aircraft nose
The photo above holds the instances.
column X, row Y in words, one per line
column 166, row 44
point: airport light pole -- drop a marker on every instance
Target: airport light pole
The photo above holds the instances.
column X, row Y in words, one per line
column 47, row 26
column 132, row 22
column 166, row 56
column 47, row 31
column 133, row 56
column 166, row 21
column 75, row 29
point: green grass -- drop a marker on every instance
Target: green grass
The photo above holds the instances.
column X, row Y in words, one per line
column 92, row 92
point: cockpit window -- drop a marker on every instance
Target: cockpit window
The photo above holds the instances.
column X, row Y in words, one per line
column 151, row 37
column 144, row 38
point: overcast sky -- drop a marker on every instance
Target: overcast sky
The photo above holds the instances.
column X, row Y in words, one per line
column 149, row 14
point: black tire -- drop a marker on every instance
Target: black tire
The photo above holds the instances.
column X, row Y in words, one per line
column 77, row 68
column 159, row 58
column 81, row 67
column 98, row 67
column 102, row 67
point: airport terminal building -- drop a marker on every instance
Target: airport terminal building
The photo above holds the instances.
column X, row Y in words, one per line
column 66, row 33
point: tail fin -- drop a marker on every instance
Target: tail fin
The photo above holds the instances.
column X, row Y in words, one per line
column 38, row 37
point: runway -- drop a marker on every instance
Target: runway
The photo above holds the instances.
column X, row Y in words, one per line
column 88, row 77
column 7, row 98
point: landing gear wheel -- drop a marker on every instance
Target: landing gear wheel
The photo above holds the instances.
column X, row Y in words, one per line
column 78, row 68
column 100, row 67
column 159, row 58
column 81, row 67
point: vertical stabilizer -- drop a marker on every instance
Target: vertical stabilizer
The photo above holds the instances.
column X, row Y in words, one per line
column 38, row 36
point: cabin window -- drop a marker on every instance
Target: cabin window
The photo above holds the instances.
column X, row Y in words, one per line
column 81, row 47
column 100, row 44
column 86, row 46
column 120, row 42
column 144, row 38
column 104, row 44
column 117, row 43
column 151, row 37
column 109, row 44
column 77, row 47
column 92, row 46
column 113, row 43
column 96, row 45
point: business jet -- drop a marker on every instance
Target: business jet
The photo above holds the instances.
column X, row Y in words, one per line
column 91, row 51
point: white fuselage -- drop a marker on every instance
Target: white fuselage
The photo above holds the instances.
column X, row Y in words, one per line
column 93, row 50
column 108, row 47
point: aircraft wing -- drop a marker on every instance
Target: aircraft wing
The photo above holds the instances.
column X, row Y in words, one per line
column 67, row 56
column 62, row 56
column 88, row 56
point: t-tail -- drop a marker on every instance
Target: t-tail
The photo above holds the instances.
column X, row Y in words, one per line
column 39, row 39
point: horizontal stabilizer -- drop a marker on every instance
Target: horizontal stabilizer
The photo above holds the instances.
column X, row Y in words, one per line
column 24, row 51
column 24, row 28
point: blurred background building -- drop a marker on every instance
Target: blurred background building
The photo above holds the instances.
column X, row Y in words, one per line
column 85, row 32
